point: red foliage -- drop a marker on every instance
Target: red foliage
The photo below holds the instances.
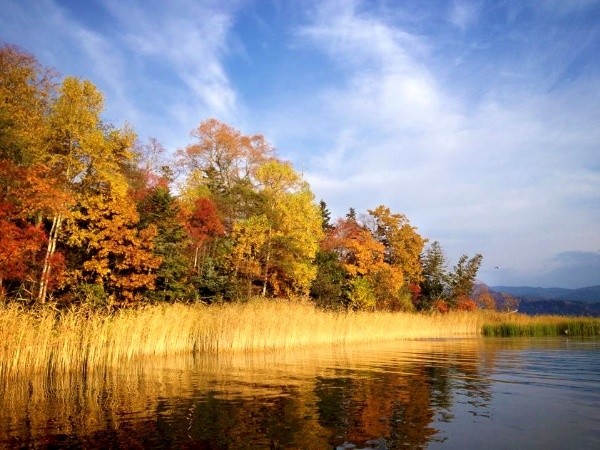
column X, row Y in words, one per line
column 441, row 306
column 464, row 303
column 58, row 266
column 204, row 222
column 415, row 290
column 19, row 243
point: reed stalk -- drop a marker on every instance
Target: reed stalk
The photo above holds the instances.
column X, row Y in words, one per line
column 81, row 340
column 46, row 340
column 519, row 325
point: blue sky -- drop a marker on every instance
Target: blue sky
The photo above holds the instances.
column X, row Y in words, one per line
column 479, row 120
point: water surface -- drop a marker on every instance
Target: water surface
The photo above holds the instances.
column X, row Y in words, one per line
column 472, row 393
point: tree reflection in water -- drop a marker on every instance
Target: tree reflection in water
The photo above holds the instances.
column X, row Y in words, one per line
column 389, row 396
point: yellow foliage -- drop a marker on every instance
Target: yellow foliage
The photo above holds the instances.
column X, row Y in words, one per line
column 403, row 244
column 119, row 255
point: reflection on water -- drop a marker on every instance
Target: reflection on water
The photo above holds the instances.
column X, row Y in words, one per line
column 473, row 393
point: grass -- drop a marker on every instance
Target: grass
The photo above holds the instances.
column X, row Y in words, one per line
column 50, row 342
column 46, row 340
column 518, row 325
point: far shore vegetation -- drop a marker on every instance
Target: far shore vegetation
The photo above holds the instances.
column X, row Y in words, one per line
column 113, row 249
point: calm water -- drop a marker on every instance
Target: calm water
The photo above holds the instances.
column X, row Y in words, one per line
column 480, row 393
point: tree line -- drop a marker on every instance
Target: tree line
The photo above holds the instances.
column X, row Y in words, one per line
column 88, row 214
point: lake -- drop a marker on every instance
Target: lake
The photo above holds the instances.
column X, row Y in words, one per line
column 469, row 393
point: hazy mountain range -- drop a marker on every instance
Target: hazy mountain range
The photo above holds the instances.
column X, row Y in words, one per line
column 536, row 300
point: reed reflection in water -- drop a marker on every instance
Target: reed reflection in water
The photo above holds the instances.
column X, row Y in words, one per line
column 452, row 394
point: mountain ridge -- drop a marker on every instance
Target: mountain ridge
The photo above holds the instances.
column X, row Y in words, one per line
column 561, row 301
column 585, row 294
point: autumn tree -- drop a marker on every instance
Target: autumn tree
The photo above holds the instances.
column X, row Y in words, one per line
column 484, row 298
column 26, row 195
column 118, row 255
column 220, row 164
column 294, row 229
column 84, row 155
column 360, row 256
column 223, row 154
column 508, row 303
column 249, row 237
column 26, row 91
column 204, row 228
column 357, row 249
column 203, row 223
column 402, row 244
column 20, row 242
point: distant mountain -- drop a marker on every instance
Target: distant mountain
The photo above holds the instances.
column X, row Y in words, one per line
column 558, row 307
column 587, row 294
column 572, row 302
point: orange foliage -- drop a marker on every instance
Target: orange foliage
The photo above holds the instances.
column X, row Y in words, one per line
column 120, row 255
column 441, row 306
column 19, row 243
column 358, row 251
column 464, row 303
column 224, row 152
column 485, row 300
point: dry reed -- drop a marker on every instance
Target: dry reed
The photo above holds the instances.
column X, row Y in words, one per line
column 53, row 342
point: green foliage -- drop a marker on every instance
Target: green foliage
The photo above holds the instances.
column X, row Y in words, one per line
column 462, row 279
column 544, row 327
column 159, row 208
column 361, row 294
column 435, row 276
column 327, row 288
column 325, row 217
column 91, row 295
column 440, row 287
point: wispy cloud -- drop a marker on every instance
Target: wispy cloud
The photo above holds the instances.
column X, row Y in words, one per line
column 464, row 13
column 479, row 173
column 161, row 64
column 478, row 119
column 188, row 37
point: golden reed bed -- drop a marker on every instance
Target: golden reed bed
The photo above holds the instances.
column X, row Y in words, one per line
column 52, row 342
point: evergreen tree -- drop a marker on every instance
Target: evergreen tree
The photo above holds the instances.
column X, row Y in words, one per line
column 351, row 215
column 462, row 278
column 435, row 276
column 325, row 216
column 160, row 208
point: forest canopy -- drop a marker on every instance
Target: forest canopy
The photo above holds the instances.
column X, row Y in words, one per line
column 91, row 215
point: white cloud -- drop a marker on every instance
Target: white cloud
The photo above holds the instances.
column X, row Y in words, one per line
column 161, row 65
column 185, row 41
column 487, row 141
column 497, row 176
